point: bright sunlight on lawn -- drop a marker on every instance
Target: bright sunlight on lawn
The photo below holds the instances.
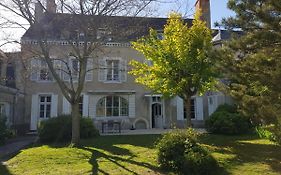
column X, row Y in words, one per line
column 137, row 155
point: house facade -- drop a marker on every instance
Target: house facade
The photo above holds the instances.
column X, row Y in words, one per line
column 110, row 93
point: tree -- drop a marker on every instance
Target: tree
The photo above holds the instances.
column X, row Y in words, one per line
column 80, row 29
column 181, row 62
column 252, row 61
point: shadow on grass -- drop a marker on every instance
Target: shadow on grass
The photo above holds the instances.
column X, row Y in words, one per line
column 108, row 144
column 245, row 149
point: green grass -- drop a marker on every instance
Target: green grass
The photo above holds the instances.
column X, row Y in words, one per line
column 137, row 155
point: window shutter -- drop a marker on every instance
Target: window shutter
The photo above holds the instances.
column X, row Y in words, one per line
column 199, row 108
column 34, row 112
column 102, row 70
column 85, row 111
column 34, row 66
column 180, row 108
column 89, row 74
column 132, row 106
column 54, row 106
column 57, row 67
column 123, row 70
column 66, row 108
column 65, row 70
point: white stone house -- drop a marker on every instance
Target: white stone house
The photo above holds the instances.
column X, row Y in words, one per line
column 110, row 93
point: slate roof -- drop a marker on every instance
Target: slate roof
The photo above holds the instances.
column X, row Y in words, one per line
column 222, row 35
column 65, row 26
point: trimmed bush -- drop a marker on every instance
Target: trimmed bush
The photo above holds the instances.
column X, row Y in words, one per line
column 59, row 129
column 178, row 151
column 226, row 120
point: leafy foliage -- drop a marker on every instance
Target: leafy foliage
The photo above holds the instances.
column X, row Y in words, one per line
column 180, row 62
column 178, row 151
column 255, row 74
column 226, row 120
column 58, row 129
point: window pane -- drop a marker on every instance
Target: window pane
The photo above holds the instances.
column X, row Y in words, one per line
column 42, row 108
column 108, row 111
column 42, row 99
column 124, row 112
column 109, row 101
column 42, row 114
column 48, row 98
column 115, row 101
column 115, row 111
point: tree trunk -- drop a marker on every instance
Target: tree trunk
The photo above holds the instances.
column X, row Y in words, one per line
column 188, row 111
column 75, row 139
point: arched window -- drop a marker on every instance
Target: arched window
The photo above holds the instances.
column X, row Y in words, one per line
column 112, row 106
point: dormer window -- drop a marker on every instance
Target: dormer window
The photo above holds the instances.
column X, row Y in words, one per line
column 81, row 35
column 104, row 34
column 160, row 34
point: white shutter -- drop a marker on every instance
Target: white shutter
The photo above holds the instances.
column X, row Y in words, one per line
column 65, row 70
column 57, row 67
column 132, row 106
column 34, row 66
column 89, row 69
column 102, row 70
column 93, row 108
column 54, row 106
column 180, row 108
column 199, row 108
column 85, row 111
column 123, row 70
column 34, row 112
column 66, row 108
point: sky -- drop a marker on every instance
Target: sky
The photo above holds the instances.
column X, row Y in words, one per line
column 218, row 11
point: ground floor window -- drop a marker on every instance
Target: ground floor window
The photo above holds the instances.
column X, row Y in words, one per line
column 112, row 106
column 45, row 105
column 192, row 109
column 81, row 105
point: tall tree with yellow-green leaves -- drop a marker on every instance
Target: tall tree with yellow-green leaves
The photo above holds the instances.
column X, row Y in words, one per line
column 180, row 60
column 255, row 75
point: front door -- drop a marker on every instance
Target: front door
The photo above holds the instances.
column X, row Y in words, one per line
column 157, row 117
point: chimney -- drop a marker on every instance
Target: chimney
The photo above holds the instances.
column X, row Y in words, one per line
column 51, row 6
column 204, row 5
column 38, row 11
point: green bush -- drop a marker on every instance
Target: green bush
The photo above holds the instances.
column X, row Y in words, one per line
column 59, row 129
column 3, row 129
column 225, row 120
column 265, row 133
column 178, row 151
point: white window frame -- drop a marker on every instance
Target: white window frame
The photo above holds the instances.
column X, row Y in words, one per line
column 45, row 104
column 105, row 107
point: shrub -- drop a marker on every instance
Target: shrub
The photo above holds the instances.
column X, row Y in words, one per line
column 3, row 129
column 265, row 133
column 59, row 129
column 225, row 120
column 178, row 151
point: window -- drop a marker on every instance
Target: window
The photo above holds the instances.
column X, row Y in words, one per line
column 192, row 109
column 74, row 69
column 110, row 106
column 45, row 74
column 45, row 106
column 104, row 34
column 156, row 99
column 40, row 70
column 112, row 70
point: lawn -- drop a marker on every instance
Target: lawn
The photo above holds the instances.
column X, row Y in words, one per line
column 137, row 155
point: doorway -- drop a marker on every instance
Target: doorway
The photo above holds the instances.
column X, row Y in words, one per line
column 157, row 117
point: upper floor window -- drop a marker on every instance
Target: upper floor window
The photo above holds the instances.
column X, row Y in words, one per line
column 112, row 70
column 112, row 106
column 40, row 70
